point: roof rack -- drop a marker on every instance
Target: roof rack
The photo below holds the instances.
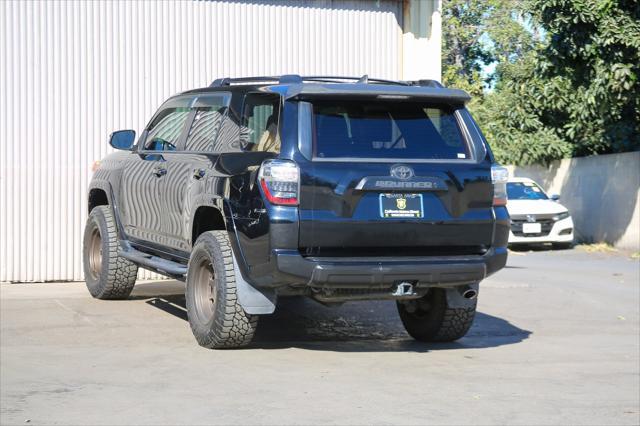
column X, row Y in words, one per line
column 426, row 83
column 294, row 79
column 363, row 79
column 226, row 81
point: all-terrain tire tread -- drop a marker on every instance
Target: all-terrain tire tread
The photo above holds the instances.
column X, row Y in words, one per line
column 118, row 280
column 441, row 322
column 232, row 326
column 455, row 324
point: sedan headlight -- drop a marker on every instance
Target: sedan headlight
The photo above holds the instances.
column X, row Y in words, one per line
column 561, row 216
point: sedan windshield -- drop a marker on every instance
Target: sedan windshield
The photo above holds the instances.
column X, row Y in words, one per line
column 525, row 191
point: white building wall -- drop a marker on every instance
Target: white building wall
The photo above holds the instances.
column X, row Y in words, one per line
column 72, row 72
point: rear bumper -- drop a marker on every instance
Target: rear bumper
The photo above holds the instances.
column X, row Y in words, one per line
column 381, row 272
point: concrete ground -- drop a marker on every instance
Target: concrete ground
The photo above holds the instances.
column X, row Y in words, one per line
column 555, row 341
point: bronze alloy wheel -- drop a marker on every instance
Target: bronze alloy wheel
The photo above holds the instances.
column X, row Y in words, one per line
column 106, row 273
column 205, row 291
column 95, row 253
column 215, row 316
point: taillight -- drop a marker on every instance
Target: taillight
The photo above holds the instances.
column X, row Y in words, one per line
column 280, row 181
column 499, row 177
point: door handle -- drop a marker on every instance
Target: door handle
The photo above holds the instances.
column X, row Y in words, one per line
column 199, row 173
column 159, row 171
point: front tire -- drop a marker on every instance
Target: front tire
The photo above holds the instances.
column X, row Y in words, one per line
column 216, row 317
column 431, row 319
column 107, row 275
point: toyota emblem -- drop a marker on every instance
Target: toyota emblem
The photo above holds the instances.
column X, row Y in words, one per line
column 402, row 172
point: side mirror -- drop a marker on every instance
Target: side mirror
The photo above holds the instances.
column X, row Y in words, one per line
column 555, row 197
column 122, row 139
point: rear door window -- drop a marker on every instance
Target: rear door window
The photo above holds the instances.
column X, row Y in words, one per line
column 210, row 113
column 387, row 130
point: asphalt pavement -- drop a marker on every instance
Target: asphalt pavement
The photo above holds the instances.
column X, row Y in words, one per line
column 556, row 341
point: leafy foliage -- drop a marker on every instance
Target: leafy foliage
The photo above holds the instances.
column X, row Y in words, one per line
column 566, row 79
column 593, row 55
column 464, row 54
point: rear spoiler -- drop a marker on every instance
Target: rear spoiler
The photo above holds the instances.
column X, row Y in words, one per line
column 379, row 91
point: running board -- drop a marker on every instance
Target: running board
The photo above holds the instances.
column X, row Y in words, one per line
column 155, row 263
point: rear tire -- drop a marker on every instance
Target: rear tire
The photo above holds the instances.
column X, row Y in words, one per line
column 107, row 275
column 430, row 319
column 216, row 317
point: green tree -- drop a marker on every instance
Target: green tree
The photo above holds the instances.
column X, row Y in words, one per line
column 463, row 52
column 566, row 74
column 481, row 33
column 509, row 116
column 592, row 60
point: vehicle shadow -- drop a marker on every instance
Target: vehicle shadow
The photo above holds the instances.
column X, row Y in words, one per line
column 353, row 327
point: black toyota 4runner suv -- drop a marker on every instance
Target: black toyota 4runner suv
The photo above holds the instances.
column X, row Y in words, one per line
column 335, row 188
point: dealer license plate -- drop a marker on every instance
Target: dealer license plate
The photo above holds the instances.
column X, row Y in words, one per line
column 531, row 228
column 401, row 205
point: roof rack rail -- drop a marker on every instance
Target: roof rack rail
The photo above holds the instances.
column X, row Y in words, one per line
column 363, row 79
column 226, row 81
column 426, row 83
column 294, row 78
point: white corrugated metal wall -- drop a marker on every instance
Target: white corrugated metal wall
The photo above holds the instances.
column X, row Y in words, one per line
column 72, row 72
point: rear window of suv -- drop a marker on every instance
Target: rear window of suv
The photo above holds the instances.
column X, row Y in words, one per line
column 387, row 130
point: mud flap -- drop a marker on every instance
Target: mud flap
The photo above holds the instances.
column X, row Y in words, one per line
column 456, row 300
column 254, row 301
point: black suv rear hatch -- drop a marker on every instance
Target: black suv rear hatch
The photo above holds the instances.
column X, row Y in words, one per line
column 393, row 177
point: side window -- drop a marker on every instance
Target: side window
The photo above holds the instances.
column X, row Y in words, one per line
column 260, row 123
column 211, row 112
column 165, row 130
column 204, row 129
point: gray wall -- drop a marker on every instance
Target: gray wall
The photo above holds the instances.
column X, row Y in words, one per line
column 73, row 72
column 601, row 192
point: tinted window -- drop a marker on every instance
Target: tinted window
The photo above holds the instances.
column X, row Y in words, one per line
column 525, row 191
column 204, row 130
column 165, row 130
column 382, row 129
column 260, row 119
column 229, row 134
column 210, row 112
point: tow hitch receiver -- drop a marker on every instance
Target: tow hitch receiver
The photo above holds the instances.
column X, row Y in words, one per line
column 404, row 289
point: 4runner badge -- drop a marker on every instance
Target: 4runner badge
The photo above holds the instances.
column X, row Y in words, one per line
column 402, row 172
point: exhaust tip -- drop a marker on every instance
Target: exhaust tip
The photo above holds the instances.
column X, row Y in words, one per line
column 470, row 294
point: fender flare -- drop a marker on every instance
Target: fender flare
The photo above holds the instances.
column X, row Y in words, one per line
column 203, row 200
column 113, row 205
column 102, row 185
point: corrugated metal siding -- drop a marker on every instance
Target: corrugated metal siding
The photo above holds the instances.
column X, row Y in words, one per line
column 74, row 71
